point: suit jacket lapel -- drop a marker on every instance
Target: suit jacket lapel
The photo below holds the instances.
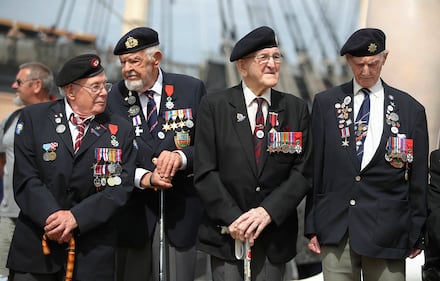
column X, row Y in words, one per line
column 242, row 126
column 58, row 110
column 347, row 91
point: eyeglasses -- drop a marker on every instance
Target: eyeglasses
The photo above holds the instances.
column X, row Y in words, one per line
column 265, row 58
column 96, row 88
column 20, row 82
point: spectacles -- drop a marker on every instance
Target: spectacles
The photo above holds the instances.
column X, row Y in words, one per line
column 265, row 58
column 97, row 88
column 20, row 82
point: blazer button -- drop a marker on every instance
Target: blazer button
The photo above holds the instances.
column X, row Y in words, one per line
column 352, row 202
column 258, row 189
column 357, row 178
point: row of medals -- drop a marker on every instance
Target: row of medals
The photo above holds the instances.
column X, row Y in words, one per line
column 396, row 159
column 115, row 169
column 135, row 110
column 284, row 148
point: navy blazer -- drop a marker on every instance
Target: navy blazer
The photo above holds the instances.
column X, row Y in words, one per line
column 230, row 183
column 182, row 206
column 66, row 182
column 382, row 212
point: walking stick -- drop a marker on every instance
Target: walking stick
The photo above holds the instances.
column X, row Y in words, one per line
column 161, row 237
column 70, row 255
column 242, row 252
column 247, row 261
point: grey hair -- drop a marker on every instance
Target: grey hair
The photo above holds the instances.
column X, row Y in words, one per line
column 39, row 71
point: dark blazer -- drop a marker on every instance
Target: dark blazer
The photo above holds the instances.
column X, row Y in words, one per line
column 432, row 251
column 66, row 182
column 183, row 208
column 230, row 183
column 382, row 212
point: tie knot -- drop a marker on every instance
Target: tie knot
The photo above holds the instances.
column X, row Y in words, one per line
column 76, row 120
column 150, row 94
column 259, row 101
column 366, row 91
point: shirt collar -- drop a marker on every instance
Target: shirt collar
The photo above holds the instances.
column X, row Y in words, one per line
column 375, row 90
column 69, row 111
column 249, row 96
column 158, row 85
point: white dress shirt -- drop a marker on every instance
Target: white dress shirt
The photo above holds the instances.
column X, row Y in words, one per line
column 375, row 123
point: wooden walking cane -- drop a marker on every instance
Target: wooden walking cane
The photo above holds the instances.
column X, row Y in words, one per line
column 70, row 255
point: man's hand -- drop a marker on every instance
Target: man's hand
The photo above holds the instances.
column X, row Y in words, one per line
column 250, row 225
column 314, row 245
column 60, row 225
column 168, row 163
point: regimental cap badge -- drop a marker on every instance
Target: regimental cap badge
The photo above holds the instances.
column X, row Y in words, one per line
column 94, row 63
column 131, row 42
column 372, row 48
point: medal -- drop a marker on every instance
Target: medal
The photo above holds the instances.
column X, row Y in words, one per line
column 52, row 155
column 182, row 139
column 131, row 99
column 111, row 168
column 134, row 110
column 169, row 90
column 117, row 180
column 97, row 182
column 60, row 128
column 46, row 156
column 110, row 181
column 260, row 134
column 113, row 131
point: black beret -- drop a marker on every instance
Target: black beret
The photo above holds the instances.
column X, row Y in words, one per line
column 259, row 38
column 82, row 66
column 135, row 40
column 364, row 42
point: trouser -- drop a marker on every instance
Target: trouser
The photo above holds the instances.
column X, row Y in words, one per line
column 341, row 263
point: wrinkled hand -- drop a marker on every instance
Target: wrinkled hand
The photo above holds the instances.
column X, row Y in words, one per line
column 157, row 181
column 414, row 253
column 250, row 225
column 168, row 163
column 314, row 245
column 60, row 225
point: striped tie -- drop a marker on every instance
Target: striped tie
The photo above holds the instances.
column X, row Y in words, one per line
column 81, row 127
column 151, row 112
column 361, row 124
column 259, row 130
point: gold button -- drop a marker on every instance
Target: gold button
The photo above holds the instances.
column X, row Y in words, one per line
column 358, row 178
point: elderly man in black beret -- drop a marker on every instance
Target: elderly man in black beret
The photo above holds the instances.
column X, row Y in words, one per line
column 252, row 166
column 162, row 108
column 370, row 170
column 74, row 169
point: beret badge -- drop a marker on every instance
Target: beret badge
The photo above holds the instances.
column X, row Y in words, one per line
column 131, row 42
column 372, row 48
column 94, row 63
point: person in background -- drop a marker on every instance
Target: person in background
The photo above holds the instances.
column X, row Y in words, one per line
column 162, row 108
column 33, row 84
column 73, row 171
column 431, row 268
column 368, row 206
column 252, row 165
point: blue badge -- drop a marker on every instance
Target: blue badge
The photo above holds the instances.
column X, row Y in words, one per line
column 19, row 128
